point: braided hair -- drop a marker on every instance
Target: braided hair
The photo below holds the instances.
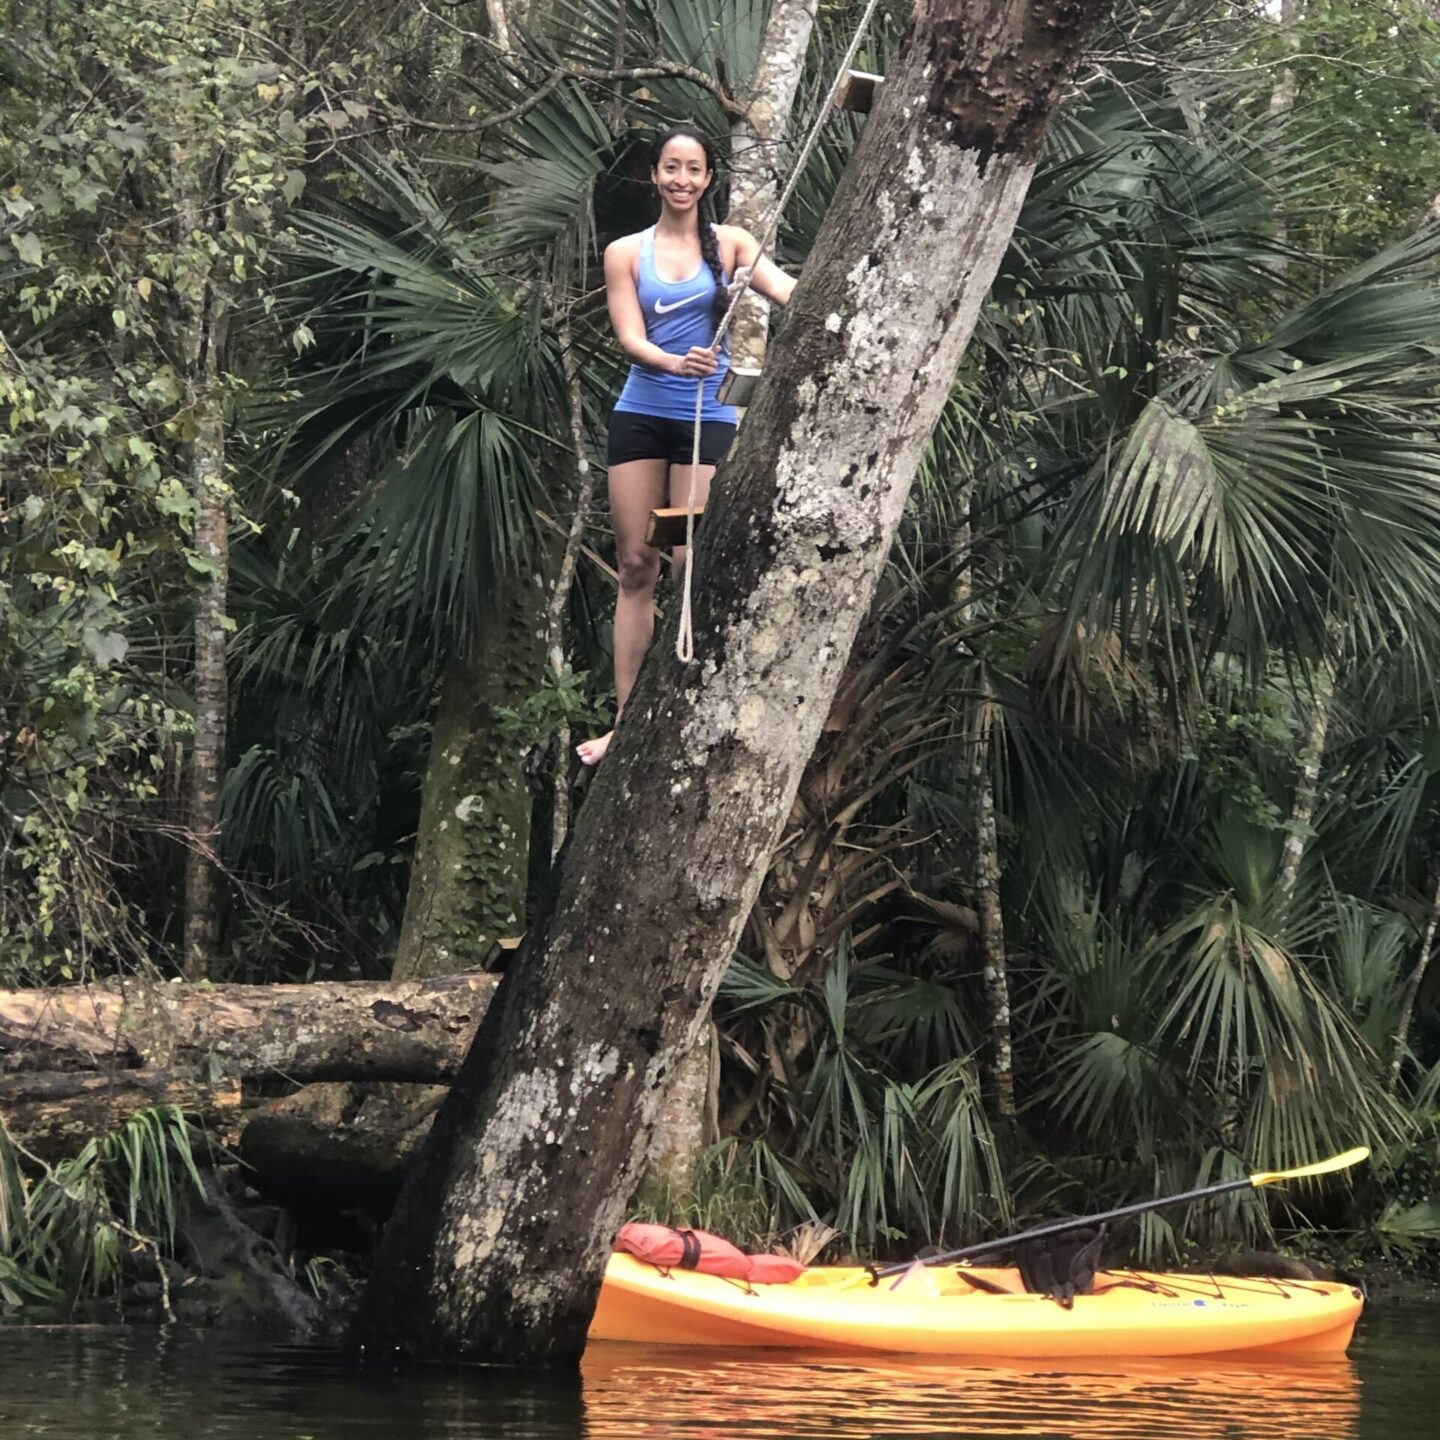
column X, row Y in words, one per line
column 705, row 214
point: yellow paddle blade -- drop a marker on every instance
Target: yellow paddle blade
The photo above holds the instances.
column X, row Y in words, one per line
column 1320, row 1167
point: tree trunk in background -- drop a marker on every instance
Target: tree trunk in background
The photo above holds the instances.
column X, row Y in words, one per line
column 1282, row 97
column 757, row 151
column 989, row 908
column 687, row 1124
column 499, row 1240
column 560, row 592
column 1412, row 988
column 467, row 887
column 1307, row 787
column 202, row 324
column 212, row 692
column 994, row 968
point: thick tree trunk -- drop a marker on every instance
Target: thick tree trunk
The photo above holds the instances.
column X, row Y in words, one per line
column 498, row 1243
column 415, row 1030
column 467, row 887
column 54, row 1115
column 757, row 151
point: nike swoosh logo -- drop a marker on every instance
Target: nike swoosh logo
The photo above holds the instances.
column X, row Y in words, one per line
column 661, row 308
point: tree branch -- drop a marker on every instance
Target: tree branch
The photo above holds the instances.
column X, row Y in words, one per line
column 661, row 69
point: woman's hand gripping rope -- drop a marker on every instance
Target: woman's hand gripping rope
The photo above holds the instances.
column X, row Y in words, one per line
column 698, row 362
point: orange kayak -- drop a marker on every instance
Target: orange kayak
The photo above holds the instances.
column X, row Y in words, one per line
column 941, row 1312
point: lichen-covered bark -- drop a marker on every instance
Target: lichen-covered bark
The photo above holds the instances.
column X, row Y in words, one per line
column 392, row 1030
column 497, row 1246
column 757, row 151
column 684, row 1124
column 467, row 887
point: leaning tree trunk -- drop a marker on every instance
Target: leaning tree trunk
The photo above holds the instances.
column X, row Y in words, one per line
column 498, row 1243
column 467, row 887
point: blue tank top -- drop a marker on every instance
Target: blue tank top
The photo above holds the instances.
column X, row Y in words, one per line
column 677, row 317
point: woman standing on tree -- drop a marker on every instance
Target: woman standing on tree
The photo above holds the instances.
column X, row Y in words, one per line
column 667, row 291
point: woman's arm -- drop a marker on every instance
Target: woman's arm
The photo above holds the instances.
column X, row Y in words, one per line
column 628, row 320
column 765, row 276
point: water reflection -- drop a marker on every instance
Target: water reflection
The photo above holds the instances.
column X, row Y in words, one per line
column 141, row 1385
column 633, row 1393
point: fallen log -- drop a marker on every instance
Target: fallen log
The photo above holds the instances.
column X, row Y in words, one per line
column 415, row 1030
column 54, row 1115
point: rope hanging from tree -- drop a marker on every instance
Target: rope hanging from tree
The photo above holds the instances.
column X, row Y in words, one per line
column 685, row 639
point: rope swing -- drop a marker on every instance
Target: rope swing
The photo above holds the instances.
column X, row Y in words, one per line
column 685, row 639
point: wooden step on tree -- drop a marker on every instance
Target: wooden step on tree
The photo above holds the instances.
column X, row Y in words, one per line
column 857, row 93
column 667, row 527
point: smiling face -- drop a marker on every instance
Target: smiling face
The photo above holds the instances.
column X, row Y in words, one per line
column 682, row 173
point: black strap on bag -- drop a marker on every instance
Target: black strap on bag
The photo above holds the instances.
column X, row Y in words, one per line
column 690, row 1254
column 1062, row 1266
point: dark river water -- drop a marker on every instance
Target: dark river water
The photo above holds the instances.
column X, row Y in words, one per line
column 104, row 1384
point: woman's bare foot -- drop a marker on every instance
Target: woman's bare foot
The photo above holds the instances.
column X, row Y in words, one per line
column 592, row 752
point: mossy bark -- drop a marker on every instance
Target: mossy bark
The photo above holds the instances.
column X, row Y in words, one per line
column 467, row 887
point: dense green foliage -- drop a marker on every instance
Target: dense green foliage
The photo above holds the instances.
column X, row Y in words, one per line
column 85, row 1222
column 1186, row 497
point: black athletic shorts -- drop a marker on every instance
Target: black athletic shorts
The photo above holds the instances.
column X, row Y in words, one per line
column 634, row 436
